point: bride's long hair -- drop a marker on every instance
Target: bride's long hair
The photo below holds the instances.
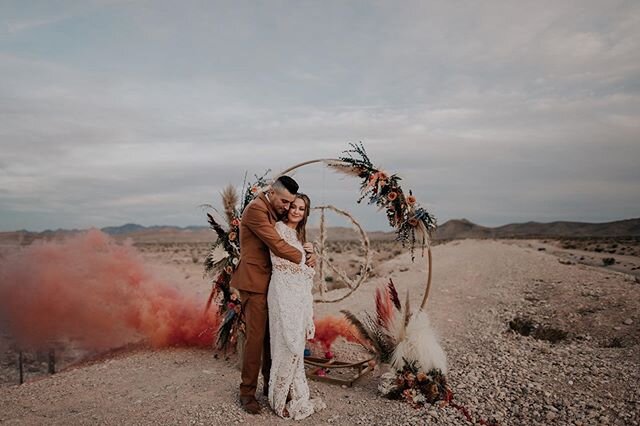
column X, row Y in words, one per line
column 301, row 229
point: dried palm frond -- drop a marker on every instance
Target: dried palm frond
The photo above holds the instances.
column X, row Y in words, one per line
column 381, row 338
column 384, row 308
column 229, row 201
column 226, row 328
column 212, row 295
column 344, row 168
column 362, row 330
column 375, row 338
column 393, row 294
column 213, row 266
column 407, row 310
column 216, row 226
column 401, row 331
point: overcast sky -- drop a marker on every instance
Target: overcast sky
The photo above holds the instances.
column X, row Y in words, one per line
column 139, row 111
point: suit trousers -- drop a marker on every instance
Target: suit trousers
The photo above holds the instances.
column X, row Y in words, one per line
column 257, row 348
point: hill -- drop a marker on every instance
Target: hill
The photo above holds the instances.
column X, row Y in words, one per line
column 451, row 229
column 463, row 228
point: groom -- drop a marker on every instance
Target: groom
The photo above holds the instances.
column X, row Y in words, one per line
column 257, row 236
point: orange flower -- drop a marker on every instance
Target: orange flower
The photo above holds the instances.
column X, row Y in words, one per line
column 411, row 200
column 254, row 189
column 392, row 196
column 235, row 222
column 378, row 177
column 228, row 270
column 232, row 236
column 413, row 221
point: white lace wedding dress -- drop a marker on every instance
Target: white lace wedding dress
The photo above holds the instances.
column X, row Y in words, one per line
column 290, row 325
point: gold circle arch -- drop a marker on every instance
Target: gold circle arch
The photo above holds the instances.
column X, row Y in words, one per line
column 365, row 266
column 428, row 260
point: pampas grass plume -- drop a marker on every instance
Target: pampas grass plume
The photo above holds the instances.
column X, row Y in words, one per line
column 420, row 344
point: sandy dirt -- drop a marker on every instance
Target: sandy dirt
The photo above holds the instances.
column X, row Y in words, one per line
column 589, row 377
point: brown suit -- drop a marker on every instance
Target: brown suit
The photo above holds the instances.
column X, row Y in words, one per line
column 257, row 236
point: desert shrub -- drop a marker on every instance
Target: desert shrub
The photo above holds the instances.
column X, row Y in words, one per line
column 616, row 342
column 522, row 326
column 607, row 261
column 528, row 327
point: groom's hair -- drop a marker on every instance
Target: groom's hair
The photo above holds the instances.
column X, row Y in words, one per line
column 286, row 182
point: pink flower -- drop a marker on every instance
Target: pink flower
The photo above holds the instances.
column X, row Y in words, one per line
column 235, row 222
column 392, row 195
column 411, row 200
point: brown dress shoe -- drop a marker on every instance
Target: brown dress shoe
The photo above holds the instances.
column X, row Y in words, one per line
column 250, row 405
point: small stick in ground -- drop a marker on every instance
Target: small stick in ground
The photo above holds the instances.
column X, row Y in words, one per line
column 52, row 361
column 20, row 367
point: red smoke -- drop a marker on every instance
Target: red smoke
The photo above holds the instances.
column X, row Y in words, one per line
column 99, row 294
column 329, row 328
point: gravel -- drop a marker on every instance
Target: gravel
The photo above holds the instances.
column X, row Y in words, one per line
column 495, row 373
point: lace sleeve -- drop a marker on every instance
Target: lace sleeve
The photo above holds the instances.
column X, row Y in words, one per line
column 284, row 265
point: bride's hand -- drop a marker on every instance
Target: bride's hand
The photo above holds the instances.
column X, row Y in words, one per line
column 311, row 331
column 308, row 247
column 311, row 260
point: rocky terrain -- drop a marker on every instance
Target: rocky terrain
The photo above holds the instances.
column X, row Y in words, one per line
column 529, row 339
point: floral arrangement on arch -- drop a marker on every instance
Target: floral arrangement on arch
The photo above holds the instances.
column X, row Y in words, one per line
column 223, row 259
column 403, row 212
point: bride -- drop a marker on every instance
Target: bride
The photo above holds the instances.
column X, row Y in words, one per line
column 291, row 319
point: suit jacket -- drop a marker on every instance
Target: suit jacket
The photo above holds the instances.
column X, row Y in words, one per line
column 257, row 236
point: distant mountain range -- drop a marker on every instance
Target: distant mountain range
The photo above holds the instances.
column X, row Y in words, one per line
column 452, row 229
column 463, row 228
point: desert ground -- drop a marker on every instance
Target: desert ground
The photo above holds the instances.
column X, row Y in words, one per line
column 535, row 331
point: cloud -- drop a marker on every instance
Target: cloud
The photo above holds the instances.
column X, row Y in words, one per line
column 496, row 112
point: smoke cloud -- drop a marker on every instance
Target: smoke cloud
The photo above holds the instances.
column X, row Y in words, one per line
column 329, row 328
column 97, row 293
